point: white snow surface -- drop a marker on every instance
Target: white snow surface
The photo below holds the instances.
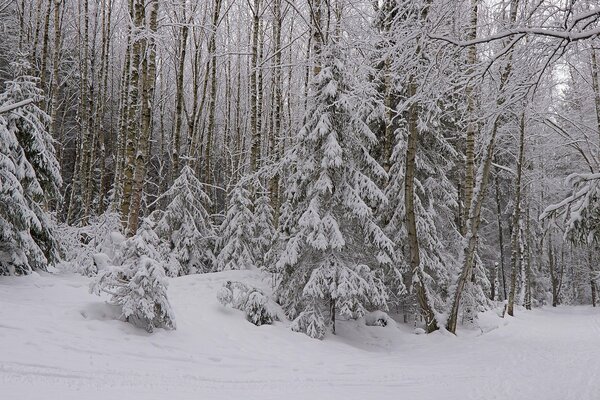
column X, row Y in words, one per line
column 57, row 341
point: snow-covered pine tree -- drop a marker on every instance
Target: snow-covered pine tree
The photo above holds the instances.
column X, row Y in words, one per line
column 30, row 178
column 138, row 282
column 186, row 225
column 236, row 241
column 264, row 231
column 335, row 254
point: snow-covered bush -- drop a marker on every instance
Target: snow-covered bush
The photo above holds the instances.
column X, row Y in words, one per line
column 138, row 284
column 311, row 322
column 82, row 244
column 378, row 318
column 252, row 301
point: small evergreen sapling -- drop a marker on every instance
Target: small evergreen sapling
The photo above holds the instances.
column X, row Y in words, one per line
column 252, row 301
column 237, row 233
column 139, row 284
column 186, row 225
column 264, row 231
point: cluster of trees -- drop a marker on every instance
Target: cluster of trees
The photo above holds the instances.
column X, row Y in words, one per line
column 392, row 154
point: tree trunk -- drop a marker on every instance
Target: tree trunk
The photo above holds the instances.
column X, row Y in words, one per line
column 254, row 124
column 212, row 49
column 133, row 108
column 471, row 125
column 516, row 221
column 141, row 158
column 277, row 105
column 474, row 220
column 500, row 237
column 179, row 93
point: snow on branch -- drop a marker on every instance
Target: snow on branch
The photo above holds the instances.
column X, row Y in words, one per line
column 569, row 34
column 9, row 107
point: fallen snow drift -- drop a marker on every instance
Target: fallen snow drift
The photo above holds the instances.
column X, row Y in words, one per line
column 59, row 342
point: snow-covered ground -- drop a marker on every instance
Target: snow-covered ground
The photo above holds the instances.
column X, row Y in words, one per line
column 59, row 342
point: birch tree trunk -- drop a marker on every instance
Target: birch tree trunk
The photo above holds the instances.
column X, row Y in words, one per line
column 141, row 157
column 133, row 108
column 472, row 125
column 254, row 117
column 474, row 222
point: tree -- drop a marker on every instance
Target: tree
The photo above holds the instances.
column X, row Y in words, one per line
column 336, row 257
column 186, row 224
column 236, row 241
column 138, row 282
column 264, row 231
column 30, row 178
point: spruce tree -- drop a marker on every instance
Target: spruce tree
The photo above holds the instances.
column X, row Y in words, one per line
column 30, row 178
column 138, row 282
column 186, row 225
column 236, row 241
column 335, row 256
column 264, row 231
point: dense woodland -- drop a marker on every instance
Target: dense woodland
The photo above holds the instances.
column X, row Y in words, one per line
column 433, row 158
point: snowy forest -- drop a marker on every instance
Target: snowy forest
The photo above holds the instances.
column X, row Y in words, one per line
column 324, row 163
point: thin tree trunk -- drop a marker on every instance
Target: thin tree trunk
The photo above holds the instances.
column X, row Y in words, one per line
column 254, row 117
column 516, row 221
column 472, row 125
column 500, row 236
column 45, row 54
column 474, row 221
column 179, row 94
column 212, row 49
column 416, row 268
column 54, row 93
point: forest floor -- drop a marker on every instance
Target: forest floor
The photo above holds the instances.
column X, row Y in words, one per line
column 58, row 342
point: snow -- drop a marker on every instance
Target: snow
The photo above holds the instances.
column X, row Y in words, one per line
column 57, row 341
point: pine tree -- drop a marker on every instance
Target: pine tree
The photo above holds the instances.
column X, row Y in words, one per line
column 236, row 241
column 138, row 283
column 264, row 231
column 186, row 224
column 336, row 255
column 30, row 178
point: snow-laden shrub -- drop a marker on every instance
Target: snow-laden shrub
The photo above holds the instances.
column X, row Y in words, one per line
column 83, row 244
column 252, row 301
column 311, row 322
column 138, row 284
column 257, row 309
column 378, row 318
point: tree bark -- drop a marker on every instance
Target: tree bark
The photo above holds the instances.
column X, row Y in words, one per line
column 500, row 237
column 141, row 157
column 516, row 221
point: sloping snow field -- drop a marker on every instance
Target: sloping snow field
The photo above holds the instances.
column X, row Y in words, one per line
column 57, row 341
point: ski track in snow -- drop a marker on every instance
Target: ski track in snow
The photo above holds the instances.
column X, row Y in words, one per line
column 57, row 341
